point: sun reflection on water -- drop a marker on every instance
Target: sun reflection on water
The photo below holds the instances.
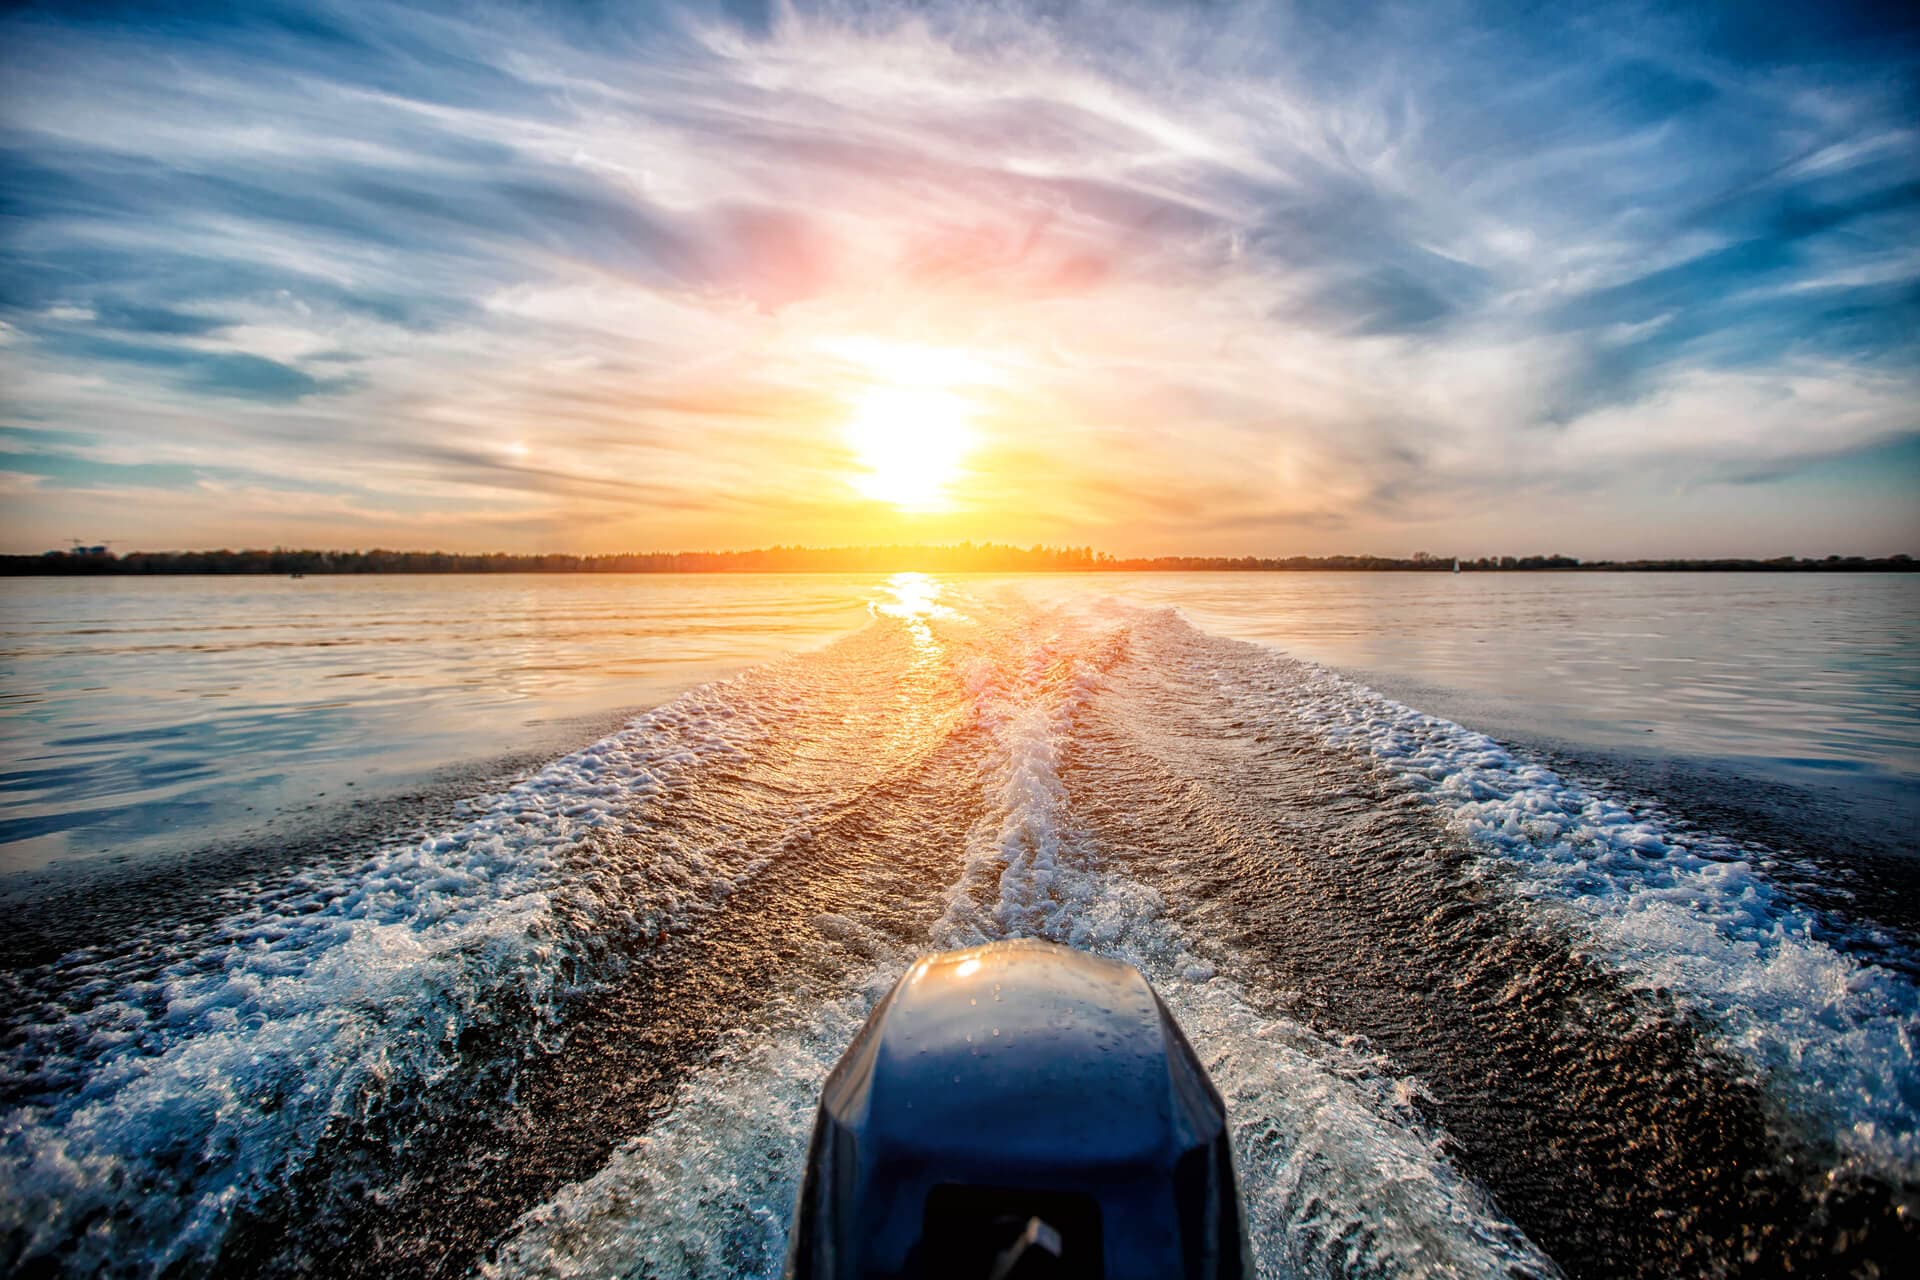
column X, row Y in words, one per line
column 915, row 597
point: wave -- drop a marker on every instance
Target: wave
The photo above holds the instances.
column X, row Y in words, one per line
column 1341, row 1175
column 1681, row 911
column 931, row 781
column 155, row 1105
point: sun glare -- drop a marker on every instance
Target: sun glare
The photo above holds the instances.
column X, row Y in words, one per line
column 909, row 442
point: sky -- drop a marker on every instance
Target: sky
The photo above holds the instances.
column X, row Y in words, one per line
column 1268, row 278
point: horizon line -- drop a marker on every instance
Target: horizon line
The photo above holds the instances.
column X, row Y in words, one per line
column 965, row 556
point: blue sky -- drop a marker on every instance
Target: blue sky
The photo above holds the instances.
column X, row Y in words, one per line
column 1469, row 278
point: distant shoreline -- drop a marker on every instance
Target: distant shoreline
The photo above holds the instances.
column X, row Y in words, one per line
column 962, row 558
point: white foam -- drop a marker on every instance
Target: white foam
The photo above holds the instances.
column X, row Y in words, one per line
column 709, row 1189
column 1833, row 1036
column 172, row 1098
column 166, row 1102
column 1340, row 1175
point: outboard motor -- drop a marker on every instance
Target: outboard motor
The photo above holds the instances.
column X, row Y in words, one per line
column 1018, row 1111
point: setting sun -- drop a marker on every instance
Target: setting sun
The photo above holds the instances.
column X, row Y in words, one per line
column 909, row 442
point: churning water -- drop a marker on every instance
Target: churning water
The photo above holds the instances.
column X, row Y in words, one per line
column 1478, row 1006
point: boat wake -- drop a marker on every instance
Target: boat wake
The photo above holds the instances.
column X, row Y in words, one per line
column 1469, row 1017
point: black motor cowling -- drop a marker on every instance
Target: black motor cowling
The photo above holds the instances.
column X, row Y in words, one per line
column 1016, row 1111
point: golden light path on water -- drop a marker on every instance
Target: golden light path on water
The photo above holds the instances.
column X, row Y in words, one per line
column 916, row 598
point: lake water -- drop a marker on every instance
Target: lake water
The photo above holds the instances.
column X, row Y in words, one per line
column 1528, row 921
column 151, row 715
column 163, row 714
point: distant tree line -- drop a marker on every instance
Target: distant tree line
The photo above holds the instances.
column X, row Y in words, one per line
column 965, row 557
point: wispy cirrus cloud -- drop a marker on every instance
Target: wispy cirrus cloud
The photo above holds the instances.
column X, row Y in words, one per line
column 1245, row 276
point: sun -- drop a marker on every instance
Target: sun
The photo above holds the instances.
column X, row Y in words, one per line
column 909, row 442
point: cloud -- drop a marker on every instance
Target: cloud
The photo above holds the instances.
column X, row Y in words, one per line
column 1263, row 276
column 214, row 373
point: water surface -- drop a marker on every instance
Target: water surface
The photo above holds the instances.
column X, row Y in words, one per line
column 1795, row 673
column 150, row 714
column 1474, row 1012
column 168, row 714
